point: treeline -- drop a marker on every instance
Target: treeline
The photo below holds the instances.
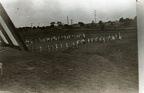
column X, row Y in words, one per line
column 100, row 25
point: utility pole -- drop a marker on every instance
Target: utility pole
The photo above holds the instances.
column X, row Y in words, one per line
column 67, row 20
column 31, row 25
column 71, row 21
column 95, row 15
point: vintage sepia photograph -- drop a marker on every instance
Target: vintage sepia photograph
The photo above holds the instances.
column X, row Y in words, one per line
column 68, row 46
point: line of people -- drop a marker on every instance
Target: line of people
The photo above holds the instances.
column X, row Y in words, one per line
column 75, row 44
column 54, row 38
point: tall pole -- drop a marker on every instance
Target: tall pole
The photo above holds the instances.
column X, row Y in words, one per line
column 31, row 25
column 67, row 20
column 71, row 21
column 95, row 15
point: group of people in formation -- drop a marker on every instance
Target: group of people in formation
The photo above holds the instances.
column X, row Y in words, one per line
column 80, row 39
column 54, row 38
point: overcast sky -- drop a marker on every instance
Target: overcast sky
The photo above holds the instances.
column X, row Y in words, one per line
column 25, row 12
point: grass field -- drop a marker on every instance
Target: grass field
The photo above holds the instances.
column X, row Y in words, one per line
column 90, row 68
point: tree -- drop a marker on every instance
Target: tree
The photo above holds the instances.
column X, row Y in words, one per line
column 66, row 25
column 34, row 27
column 93, row 22
column 128, row 21
column 52, row 24
column 81, row 23
column 59, row 23
column 100, row 22
column 121, row 20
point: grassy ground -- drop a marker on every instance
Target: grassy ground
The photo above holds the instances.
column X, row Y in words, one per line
column 90, row 68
